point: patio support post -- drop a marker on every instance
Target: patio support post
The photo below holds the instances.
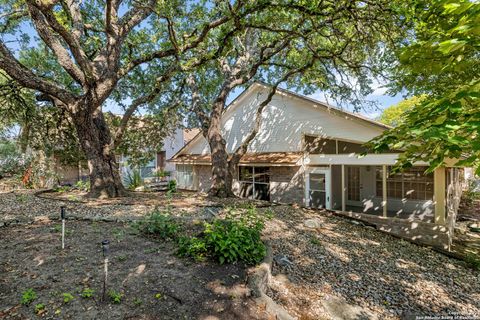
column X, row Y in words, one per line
column 344, row 207
column 439, row 194
column 384, row 190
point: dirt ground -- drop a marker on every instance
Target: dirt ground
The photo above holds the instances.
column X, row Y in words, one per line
column 154, row 283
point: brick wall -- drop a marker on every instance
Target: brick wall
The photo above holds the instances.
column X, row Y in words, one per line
column 286, row 184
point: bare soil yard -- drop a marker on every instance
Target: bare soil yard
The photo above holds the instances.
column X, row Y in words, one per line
column 334, row 265
column 154, row 283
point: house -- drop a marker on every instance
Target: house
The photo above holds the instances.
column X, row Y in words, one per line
column 171, row 146
column 70, row 174
column 308, row 152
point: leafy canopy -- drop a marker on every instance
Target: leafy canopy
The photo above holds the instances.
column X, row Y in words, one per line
column 440, row 60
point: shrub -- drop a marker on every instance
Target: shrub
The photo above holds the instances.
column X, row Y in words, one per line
column 172, row 186
column 192, row 247
column 471, row 193
column 28, row 296
column 115, row 297
column 159, row 224
column 232, row 240
column 235, row 238
column 82, row 185
column 133, row 179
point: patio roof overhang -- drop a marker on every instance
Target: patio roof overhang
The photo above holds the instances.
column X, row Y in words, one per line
column 355, row 159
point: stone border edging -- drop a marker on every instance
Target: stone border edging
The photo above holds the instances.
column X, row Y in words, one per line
column 258, row 282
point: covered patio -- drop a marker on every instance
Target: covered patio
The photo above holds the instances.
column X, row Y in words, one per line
column 368, row 185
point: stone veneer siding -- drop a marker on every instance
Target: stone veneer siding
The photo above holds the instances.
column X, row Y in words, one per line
column 286, row 183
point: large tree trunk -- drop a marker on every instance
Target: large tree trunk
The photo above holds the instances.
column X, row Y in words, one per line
column 221, row 175
column 95, row 140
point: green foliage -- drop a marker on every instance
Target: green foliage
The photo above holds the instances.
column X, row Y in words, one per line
column 82, row 185
column 115, row 297
column 172, row 186
column 235, row 238
column 159, row 224
column 138, row 302
column 62, row 189
column 28, row 296
column 12, row 162
column 39, row 308
column 440, row 60
column 67, row 297
column 133, row 179
column 87, row 293
column 393, row 115
column 471, row 194
column 473, row 261
column 192, row 247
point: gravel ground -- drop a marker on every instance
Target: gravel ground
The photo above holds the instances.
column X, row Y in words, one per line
column 389, row 278
column 386, row 277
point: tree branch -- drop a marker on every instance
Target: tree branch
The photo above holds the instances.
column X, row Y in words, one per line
column 54, row 44
column 28, row 79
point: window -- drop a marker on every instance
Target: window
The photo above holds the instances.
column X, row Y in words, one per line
column 353, row 183
column 184, row 174
column 147, row 170
column 316, row 145
column 254, row 182
column 412, row 183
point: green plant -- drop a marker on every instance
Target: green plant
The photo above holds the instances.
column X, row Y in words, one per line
column 192, row 247
column 67, row 297
column 82, row 185
column 235, row 238
column 471, row 193
column 160, row 224
column 473, row 261
column 172, row 186
column 39, row 308
column 87, row 293
column 115, row 297
column 122, row 258
column 62, row 189
column 138, row 302
column 133, row 179
column 28, row 296
column 21, row 197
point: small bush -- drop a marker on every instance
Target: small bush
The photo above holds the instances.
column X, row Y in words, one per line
column 133, row 179
column 87, row 293
column 28, row 296
column 82, row 185
column 235, row 238
column 159, row 224
column 67, row 297
column 172, row 186
column 115, row 297
column 192, row 247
